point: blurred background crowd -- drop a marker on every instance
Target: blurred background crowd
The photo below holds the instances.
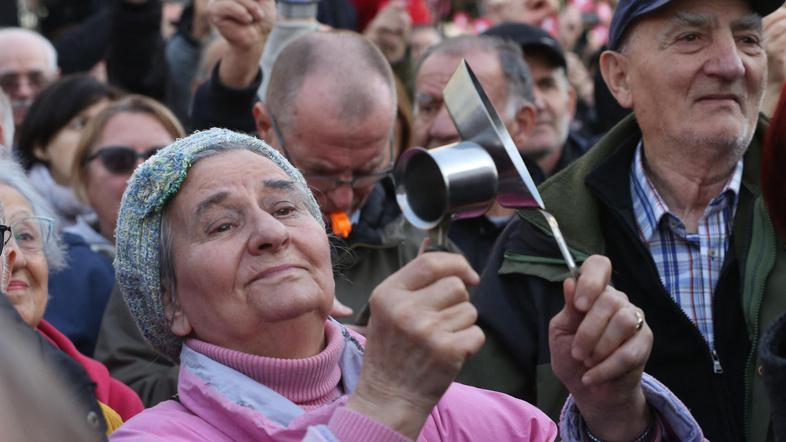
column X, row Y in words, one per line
column 90, row 89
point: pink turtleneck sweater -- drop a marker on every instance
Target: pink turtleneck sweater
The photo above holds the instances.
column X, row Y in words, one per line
column 310, row 383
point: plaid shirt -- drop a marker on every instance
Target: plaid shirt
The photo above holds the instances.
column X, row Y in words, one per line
column 688, row 263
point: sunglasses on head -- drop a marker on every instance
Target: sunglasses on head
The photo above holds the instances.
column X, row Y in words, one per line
column 120, row 159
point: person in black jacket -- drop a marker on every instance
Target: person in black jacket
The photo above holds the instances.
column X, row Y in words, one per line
column 551, row 143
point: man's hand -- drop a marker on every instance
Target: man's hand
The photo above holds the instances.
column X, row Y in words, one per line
column 390, row 30
column 422, row 330
column 775, row 41
column 245, row 25
column 599, row 345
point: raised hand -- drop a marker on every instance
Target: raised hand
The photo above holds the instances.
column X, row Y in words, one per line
column 599, row 345
column 245, row 25
column 422, row 330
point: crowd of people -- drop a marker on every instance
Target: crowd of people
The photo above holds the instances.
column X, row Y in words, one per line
column 201, row 238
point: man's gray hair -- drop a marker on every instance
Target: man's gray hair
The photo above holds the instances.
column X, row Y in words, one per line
column 346, row 58
column 518, row 78
column 49, row 49
column 12, row 175
column 7, row 121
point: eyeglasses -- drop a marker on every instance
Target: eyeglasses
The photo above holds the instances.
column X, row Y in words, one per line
column 11, row 81
column 5, row 234
column 120, row 160
column 326, row 183
column 33, row 233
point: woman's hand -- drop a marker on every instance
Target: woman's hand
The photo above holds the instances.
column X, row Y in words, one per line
column 599, row 345
column 421, row 331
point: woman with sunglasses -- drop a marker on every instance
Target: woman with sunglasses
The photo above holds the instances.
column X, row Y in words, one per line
column 33, row 250
column 112, row 145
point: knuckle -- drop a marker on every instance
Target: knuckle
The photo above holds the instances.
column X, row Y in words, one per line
column 472, row 313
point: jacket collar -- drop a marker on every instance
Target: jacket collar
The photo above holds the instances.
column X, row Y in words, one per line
column 601, row 177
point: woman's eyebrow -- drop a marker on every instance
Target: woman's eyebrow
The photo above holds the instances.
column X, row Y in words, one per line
column 279, row 184
column 209, row 202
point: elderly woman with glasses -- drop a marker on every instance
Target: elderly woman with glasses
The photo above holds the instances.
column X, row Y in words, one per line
column 32, row 251
column 224, row 262
column 113, row 143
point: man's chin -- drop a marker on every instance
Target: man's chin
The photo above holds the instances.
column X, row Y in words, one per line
column 537, row 153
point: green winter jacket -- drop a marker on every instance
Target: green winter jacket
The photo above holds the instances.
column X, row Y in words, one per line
column 761, row 256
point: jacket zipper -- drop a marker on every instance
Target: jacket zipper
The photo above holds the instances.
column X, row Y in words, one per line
column 716, row 365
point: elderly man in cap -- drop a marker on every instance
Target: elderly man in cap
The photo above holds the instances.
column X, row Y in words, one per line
column 551, row 143
column 671, row 196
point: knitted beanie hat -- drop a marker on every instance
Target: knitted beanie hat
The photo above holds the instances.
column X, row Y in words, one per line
column 138, row 234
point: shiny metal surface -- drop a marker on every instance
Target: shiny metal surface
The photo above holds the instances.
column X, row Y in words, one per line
column 450, row 182
column 462, row 180
column 477, row 121
column 563, row 246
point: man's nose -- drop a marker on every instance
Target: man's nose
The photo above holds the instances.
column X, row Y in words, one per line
column 25, row 88
column 539, row 102
column 442, row 130
column 341, row 198
column 725, row 61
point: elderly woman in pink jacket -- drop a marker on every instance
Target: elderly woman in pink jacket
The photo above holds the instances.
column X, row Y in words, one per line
column 224, row 262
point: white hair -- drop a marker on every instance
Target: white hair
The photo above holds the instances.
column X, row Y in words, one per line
column 49, row 49
column 7, row 122
column 12, row 175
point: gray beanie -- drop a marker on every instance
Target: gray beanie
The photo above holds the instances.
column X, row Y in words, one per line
column 138, row 233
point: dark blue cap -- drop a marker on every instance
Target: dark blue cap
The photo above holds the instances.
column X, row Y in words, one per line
column 628, row 11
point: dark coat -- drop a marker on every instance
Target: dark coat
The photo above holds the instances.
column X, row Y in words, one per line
column 521, row 291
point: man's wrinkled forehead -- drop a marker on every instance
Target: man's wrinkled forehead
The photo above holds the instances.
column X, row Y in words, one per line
column 629, row 13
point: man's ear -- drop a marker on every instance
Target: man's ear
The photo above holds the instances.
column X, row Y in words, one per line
column 263, row 122
column 614, row 67
column 178, row 321
column 525, row 120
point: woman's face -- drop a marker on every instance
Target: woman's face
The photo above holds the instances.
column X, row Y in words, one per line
column 140, row 132
column 252, row 265
column 59, row 153
column 28, row 286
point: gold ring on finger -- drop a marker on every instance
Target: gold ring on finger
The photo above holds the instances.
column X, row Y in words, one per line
column 639, row 320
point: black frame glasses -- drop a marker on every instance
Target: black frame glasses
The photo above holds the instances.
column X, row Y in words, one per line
column 5, row 233
column 120, row 159
column 327, row 183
